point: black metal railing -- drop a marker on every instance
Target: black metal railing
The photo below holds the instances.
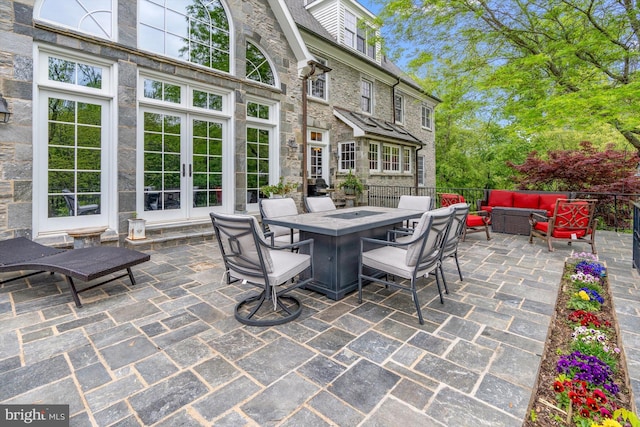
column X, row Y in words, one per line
column 613, row 210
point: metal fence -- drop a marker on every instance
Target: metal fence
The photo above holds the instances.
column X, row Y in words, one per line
column 613, row 210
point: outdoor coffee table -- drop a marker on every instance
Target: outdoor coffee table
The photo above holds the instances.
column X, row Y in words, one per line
column 336, row 236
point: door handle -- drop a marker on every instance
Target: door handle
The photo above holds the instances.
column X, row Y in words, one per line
column 183, row 170
column 190, row 171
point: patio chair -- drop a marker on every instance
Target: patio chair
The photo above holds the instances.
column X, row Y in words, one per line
column 572, row 221
column 21, row 254
column 250, row 258
column 74, row 210
column 419, row 203
column 410, row 260
column 319, row 204
column 454, row 235
column 272, row 208
column 476, row 220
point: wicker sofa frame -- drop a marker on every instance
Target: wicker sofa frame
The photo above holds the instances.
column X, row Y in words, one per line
column 515, row 220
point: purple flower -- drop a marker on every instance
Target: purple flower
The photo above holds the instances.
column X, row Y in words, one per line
column 587, row 368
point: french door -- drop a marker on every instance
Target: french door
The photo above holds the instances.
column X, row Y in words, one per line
column 182, row 165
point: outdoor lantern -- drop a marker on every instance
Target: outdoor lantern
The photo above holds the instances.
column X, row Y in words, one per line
column 4, row 110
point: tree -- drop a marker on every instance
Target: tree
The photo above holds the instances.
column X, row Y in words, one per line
column 544, row 65
column 609, row 171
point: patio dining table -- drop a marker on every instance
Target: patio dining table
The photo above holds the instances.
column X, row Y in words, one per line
column 337, row 236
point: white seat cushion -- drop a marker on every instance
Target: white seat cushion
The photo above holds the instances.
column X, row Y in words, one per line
column 320, row 204
column 419, row 203
column 392, row 260
column 273, row 208
column 285, row 239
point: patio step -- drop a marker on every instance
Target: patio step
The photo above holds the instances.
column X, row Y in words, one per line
column 172, row 235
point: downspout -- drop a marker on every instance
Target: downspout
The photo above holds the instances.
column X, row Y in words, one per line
column 313, row 67
column 393, row 101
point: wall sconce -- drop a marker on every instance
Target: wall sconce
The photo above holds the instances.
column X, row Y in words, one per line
column 292, row 143
column 4, row 110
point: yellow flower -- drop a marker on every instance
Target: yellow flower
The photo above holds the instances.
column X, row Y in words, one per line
column 607, row 423
column 583, row 295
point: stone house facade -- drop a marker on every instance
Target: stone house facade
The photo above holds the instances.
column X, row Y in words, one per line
column 140, row 109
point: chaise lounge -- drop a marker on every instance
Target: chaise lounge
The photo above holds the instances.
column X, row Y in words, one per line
column 21, row 254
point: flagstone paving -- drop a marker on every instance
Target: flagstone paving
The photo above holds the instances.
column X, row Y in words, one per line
column 169, row 352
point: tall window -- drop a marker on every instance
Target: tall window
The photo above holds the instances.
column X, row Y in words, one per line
column 316, row 157
column 88, row 16
column 318, row 85
column 358, row 35
column 406, row 159
column 366, row 96
column 421, row 168
column 374, row 157
column 258, row 67
column 398, row 105
column 195, row 31
column 347, row 156
column 390, row 158
column 427, row 113
column 182, row 136
column 73, row 142
column 260, row 148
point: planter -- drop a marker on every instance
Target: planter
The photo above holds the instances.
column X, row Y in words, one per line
column 349, row 191
column 137, row 229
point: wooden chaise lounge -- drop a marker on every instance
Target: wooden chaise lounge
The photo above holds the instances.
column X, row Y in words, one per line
column 21, row 254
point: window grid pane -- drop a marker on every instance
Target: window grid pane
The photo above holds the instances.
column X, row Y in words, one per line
column 258, row 68
column 347, row 156
column 406, row 160
column 74, row 158
column 374, row 155
column 257, row 162
column 197, row 32
column 390, row 158
column 365, row 103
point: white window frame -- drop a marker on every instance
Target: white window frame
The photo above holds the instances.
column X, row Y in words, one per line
column 422, row 162
column 350, row 29
column 324, row 144
column 363, row 83
column 406, row 160
column 273, row 125
column 113, row 12
column 376, row 150
column 398, row 104
column 343, row 147
column 106, row 96
column 324, row 77
column 188, row 113
column 267, row 58
column 395, row 165
column 427, row 117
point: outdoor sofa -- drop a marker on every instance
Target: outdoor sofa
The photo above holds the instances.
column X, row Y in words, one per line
column 510, row 210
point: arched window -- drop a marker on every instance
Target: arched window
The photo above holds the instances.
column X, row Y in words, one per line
column 195, row 31
column 89, row 16
column 258, row 67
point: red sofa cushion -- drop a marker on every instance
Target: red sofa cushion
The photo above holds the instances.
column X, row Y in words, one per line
column 500, row 198
column 526, row 200
column 548, row 202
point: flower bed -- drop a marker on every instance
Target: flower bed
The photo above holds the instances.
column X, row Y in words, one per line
column 582, row 379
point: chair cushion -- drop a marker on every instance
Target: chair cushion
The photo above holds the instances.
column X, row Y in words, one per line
column 447, row 199
column 415, row 249
column 392, row 260
column 273, row 208
column 320, row 204
column 501, row 198
column 561, row 233
column 475, row 220
column 548, row 202
column 526, row 200
column 419, row 203
column 286, row 239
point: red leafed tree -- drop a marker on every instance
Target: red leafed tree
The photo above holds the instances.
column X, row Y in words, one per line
column 587, row 169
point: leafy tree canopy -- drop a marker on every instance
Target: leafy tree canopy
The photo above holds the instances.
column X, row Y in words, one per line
column 586, row 169
column 534, row 64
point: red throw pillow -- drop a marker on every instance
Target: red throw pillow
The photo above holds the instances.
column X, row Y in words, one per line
column 548, row 202
column 526, row 200
column 501, row 198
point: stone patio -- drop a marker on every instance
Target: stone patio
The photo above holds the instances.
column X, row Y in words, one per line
column 169, row 352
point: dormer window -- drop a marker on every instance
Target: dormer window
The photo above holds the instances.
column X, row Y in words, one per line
column 358, row 35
